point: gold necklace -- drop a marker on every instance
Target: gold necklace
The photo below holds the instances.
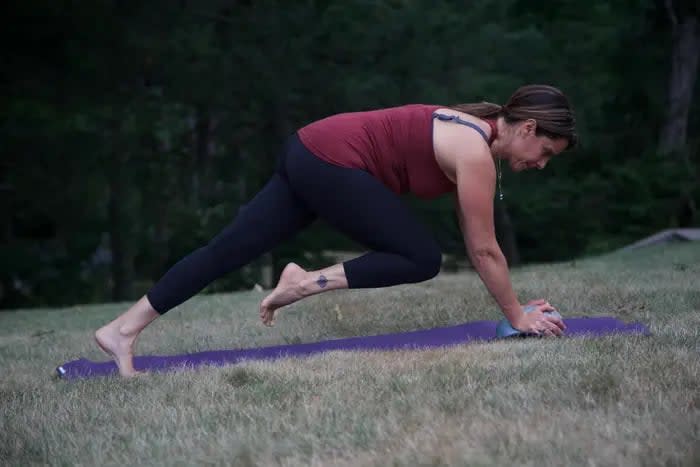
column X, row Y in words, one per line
column 500, row 191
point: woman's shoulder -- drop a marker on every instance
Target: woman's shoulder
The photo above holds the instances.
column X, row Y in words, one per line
column 449, row 111
column 462, row 122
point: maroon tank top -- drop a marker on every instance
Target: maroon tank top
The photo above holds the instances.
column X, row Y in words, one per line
column 394, row 144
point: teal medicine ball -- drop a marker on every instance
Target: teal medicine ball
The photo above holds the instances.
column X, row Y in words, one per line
column 504, row 329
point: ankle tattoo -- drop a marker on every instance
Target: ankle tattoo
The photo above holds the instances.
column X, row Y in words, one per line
column 322, row 281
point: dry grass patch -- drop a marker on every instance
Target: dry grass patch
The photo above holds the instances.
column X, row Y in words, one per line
column 607, row 401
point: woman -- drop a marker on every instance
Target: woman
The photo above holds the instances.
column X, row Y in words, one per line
column 349, row 170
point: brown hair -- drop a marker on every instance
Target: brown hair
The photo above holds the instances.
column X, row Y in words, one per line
column 546, row 105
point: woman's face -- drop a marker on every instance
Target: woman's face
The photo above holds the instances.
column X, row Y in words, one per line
column 526, row 150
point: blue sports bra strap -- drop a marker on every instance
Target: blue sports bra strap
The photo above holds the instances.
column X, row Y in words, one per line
column 456, row 119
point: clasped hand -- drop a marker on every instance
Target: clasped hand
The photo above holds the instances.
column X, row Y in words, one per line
column 536, row 322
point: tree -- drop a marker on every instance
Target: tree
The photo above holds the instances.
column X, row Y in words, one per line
column 685, row 53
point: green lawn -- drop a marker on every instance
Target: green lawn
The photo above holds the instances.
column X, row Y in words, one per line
column 611, row 401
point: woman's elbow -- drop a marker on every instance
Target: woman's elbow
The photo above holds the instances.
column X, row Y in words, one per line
column 482, row 254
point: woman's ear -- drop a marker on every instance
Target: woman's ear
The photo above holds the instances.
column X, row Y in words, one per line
column 530, row 126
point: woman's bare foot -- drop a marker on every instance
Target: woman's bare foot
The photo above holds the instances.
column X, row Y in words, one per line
column 288, row 291
column 119, row 347
column 117, row 338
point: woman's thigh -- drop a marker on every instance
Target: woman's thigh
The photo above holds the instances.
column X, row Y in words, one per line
column 359, row 205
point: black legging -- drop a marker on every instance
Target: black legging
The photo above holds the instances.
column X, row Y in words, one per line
column 303, row 188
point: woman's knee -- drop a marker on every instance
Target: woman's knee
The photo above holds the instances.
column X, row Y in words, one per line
column 428, row 262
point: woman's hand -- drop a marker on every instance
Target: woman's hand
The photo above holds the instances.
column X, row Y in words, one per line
column 536, row 322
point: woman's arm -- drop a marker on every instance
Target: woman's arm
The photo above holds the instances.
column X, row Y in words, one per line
column 475, row 174
column 476, row 182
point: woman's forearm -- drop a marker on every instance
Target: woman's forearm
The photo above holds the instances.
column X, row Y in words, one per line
column 492, row 267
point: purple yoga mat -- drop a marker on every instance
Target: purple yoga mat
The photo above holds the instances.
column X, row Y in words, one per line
column 436, row 337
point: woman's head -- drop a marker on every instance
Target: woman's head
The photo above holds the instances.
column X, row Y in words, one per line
column 537, row 123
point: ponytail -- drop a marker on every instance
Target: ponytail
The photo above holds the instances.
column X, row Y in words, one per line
column 480, row 109
column 547, row 105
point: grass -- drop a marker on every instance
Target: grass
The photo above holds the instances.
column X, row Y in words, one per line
column 609, row 401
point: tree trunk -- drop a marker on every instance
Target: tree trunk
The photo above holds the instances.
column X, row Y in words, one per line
column 684, row 65
column 682, row 79
column 506, row 234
